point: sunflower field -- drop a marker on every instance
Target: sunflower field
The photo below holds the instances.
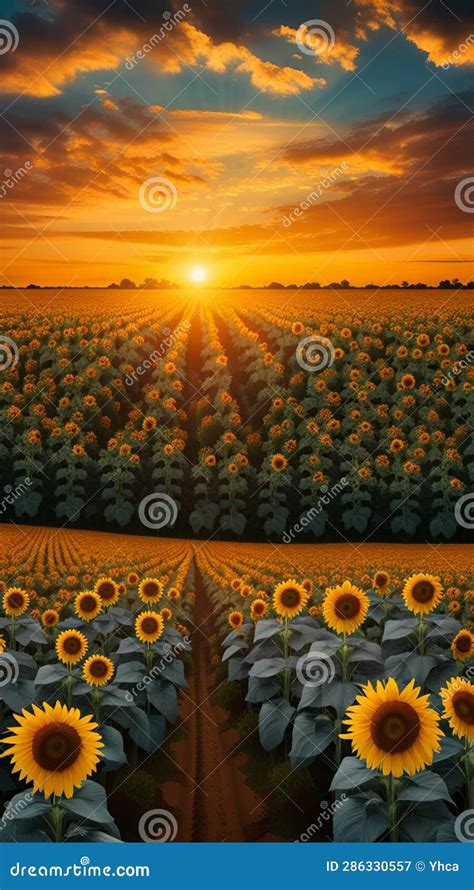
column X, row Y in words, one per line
column 248, row 411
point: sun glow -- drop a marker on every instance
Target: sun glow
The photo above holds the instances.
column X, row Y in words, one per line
column 198, row 274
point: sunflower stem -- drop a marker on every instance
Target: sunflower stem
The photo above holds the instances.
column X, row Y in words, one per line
column 421, row 635
column 468, row 761
column 69, row 681
column 286, row 671
column 57, row 817
column 12, row 633
column 392, row 809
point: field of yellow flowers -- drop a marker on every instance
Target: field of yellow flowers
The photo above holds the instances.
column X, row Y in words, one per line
column 346, row 671
column 219, row 403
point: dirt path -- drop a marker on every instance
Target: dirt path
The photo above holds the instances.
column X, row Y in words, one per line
column 209, row 796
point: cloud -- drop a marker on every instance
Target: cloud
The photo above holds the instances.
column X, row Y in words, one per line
column 326, row 51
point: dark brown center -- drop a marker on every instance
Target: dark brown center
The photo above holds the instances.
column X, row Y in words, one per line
column 107, row 590
column 347, row 606
column 88, row 603
column 72, row 645
column 16, row 600
column 463, row 643
column 150, row 589
column 98, row 668
column 291, row 597
column 395, row 727
column 49, row 618
column 56, row 747
column 381, row 579
column 149, row 625
column 423, row 591
column 463, row 704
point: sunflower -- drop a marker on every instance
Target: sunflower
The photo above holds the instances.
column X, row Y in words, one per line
column 422, row 593
column 381, row 582
column 235, row 619
column 132, row 579
column 289, row 598
column 345, row 608
column 87, row 605
column 15, row 601
column 3, row 644
column 173, row 593
column 458, row 701
column 393, row 731
column 98, row 670
column 71, row 646
column 107, row 590
column 49, row 618
column 462, row 646
column 150, row 590
column 54, row 747
column 279, row 462
column 149, row 626
column 258, row 609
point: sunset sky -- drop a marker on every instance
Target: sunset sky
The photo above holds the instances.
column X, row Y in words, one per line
column 241, row 114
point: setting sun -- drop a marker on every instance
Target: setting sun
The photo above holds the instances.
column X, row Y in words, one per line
column 198, row 274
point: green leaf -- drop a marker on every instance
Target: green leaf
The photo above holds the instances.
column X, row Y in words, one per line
column 352, row 773
column 89, row 802
column 112, row 752
column 360, row 820
column 273, row 721
column 130, row 672
column 311, row 736
column 397, row 630
column 425, row 786
column 50, row 673
column 267, row 667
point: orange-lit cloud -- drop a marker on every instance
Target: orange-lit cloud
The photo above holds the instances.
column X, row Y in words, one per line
column 338, row 52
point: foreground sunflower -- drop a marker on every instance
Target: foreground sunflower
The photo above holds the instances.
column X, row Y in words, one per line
column 71, row 646
column 98, row 670
column 54, row 747
column 395, row 732
column 150, row 590
column 107, row 590
column 345, row 608
column 15, row 601
column 149, row 627
column 458, row 702
column 3, row 644
column 87, row 605
column 289, row 598
column 49, row 618
column 462, row 646
column 422, row 593
column 381, row 583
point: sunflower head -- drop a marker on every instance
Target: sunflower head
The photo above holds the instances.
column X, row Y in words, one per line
column 54, row 747
column 235, row 619
column 166, row 614
column 149, row 626
column 49, row 618
column 71, row 646
column 279, row 463
column 307, row 585
column 381, row 582
column 345, row 608
column 258, row 609
column 107, row 590
column 173, row 593
column 87, row 605
column 15, row 601
column 3, row 644
column 150, row 590
column 289, row 598
column 393, row 731
column 422, row 593
column 132, row 579
column 97, row 670
column 458, row 703
column 462, row 646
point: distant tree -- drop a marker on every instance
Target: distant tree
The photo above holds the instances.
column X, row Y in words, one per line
column 149, row 282
column 275, row 285
column 345, row 283
column 113, row 286
column 31, row 286
column 404, row 284
column 127, row 284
